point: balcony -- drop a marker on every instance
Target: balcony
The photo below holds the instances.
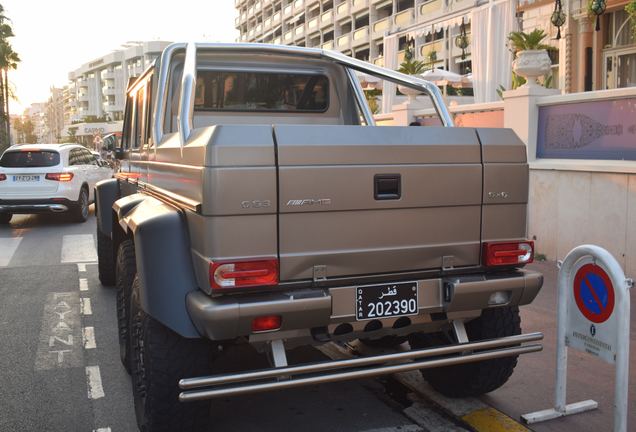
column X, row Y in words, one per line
column 258, row 6
column 344, row 42
column 108, row 75
column 431, row 7
column 381, row 27
column 278, row 40
column 276, row 17
column 360, row 36
column 288, row 36
column 358, row 5
column 82, row 82
column 237, row 21
column 108, row 91
column 328, row 45
column 456, row 52
column 378, row 61
column 288, row 10
column 299, row 5
column 401, row 56
column 250, row 11
column 342, row 11
column 326, row 18
column 404, row 18
column 312, row 24
column 299, row 31
column 259, row 29
column 268, row 23
column 437, row 46
column 82, row 98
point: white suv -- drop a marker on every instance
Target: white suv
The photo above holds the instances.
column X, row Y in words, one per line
column 45, row 178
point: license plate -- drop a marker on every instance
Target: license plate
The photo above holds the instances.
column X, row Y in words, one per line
column 26, row 178
column 389, row 300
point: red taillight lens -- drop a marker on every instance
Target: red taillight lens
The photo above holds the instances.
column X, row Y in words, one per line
column 61, row 177
column 510, row 253
column 266, row 323
column 243, row 274
column 3, row 177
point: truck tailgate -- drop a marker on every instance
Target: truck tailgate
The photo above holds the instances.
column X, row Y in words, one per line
column 362, row 200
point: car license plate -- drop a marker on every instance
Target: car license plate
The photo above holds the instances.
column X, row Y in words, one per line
column 26, row 178
column 389, row 300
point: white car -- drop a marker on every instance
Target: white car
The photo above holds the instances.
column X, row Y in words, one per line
column 48, row 178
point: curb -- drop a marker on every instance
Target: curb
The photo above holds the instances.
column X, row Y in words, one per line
column 470, row 412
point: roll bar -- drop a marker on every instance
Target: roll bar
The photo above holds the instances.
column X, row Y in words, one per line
column 188, row 81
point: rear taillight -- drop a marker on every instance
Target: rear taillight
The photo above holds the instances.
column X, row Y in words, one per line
column 266, row 323
column 61, row 177
column 3, row 177
column 243, row 274
column 509, row 253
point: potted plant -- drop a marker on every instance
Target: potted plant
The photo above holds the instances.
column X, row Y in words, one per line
column 531, row 55
column 410, row 66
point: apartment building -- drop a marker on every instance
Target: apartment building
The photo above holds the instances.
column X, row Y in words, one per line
column 54, row 122
column 97, row 88
column 358, row 27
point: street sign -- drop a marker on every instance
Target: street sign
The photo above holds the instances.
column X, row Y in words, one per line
column 593, row 317
column 591, row 324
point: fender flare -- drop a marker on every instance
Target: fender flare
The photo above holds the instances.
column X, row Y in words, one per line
column 106, row 193
column 164, row 261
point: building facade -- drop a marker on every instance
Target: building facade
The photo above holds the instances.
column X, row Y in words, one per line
column 97, row 88
column 54, row 115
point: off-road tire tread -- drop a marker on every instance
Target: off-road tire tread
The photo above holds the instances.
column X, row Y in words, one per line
column 105, row 263
column 76, row 209
column 168, row 357
column 474, row 379
column 125, row 270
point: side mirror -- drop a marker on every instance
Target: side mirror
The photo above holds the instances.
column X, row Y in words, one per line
column 119, row 153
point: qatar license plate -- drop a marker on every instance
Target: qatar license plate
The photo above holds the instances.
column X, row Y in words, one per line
column 26, row 178
column 389, row 300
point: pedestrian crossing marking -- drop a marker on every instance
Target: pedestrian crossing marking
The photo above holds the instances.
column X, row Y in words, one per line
column 8, row 246
column 78, row 248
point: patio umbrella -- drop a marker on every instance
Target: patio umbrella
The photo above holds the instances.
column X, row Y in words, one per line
column 436, row 75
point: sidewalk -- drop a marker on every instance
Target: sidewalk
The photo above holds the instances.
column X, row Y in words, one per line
column 531, row 387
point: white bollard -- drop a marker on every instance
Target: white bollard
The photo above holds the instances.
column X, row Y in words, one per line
column 593, row 295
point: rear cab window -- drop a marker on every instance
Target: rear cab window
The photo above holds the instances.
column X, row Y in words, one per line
column 261, row 91
column 29, row 158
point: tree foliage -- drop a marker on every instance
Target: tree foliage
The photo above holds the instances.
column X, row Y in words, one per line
column 521, row 41
column 9, row 60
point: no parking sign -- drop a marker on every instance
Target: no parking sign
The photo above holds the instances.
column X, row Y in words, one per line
column 592, row 325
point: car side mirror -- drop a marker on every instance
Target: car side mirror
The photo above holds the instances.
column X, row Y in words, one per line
column 119, row 153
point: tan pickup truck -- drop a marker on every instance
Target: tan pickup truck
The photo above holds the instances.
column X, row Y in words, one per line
column 256, row 202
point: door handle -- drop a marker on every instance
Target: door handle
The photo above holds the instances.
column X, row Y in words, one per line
column 387, row 186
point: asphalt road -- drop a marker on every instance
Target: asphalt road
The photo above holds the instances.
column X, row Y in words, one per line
column 60, row 368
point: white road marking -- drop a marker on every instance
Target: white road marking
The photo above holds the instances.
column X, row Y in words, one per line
column 88, row 334
column 60, row 330
column 94, row 382
column 83, row 284
column 78, row 248
column 107, row 429
column 81, row 267
column 85, row 306
column 8, row 246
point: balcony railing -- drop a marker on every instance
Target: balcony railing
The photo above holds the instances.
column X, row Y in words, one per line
column 288, row 10
column 326, row 18
column 404, row 18
column 268, row 23
column 344, row 41
column 299, row 4
column 361, row 36
column 276, row 17
column 299, row 31
column 313, row 24
column 431, row 7
column 278, row 40
column 381, row 26
column 437, row 47
column 357, row 5
column 250, row 11
column 342, row 9
column 258, row 6
column 328, row 45
column 379, row 61
column 289, row 36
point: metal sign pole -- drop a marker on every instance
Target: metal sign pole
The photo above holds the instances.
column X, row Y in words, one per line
column 621, row 285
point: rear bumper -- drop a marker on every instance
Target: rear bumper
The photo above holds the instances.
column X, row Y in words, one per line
column 53, row 205
column 321, row 312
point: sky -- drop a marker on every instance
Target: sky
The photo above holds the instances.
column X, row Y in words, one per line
column 53, row 38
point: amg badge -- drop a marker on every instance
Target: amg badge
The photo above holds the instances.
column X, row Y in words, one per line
column 309, row 202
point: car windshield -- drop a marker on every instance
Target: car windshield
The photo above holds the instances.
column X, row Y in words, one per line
column 261, row 91
column 29, row 158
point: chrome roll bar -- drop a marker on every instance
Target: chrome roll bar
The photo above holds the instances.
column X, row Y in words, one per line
column 186, row 101
column 363, row 367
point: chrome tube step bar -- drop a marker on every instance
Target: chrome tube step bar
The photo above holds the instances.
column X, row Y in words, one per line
column 218, row 386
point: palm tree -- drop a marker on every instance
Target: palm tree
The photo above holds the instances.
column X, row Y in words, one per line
column 9, row 60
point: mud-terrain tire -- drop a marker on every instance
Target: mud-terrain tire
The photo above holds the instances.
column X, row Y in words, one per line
column 79, row 209
column 125, row 270
column 384, row 342
column 160, row 357
column 473, row 379
column 5, row 218
column 105, row 262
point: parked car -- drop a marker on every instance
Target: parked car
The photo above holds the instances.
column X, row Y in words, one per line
column 49, row 178
column 256, row 202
